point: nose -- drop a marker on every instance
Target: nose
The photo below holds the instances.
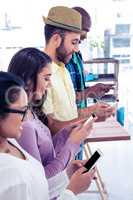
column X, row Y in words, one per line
column 49, row 84
column 76, row 48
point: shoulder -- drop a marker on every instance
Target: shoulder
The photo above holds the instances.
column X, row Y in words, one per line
column 29, row 125
column 12, row 171
column 13, row 182
column 54, row 68
column 36, row 131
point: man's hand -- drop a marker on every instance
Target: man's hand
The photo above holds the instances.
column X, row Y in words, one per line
column 103, row 110
column 98, row 90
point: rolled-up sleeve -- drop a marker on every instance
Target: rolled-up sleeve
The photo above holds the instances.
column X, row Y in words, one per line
column 67, row 194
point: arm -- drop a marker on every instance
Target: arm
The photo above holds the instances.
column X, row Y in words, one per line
column 13, row 185
column 77, row 136
column 98, row 90
column 102, row 110
column 86, row 112
column 63, row 156
column 94, row 91
column 53, row 162
column 28, row 141
column 56, row 125
column 17, row 191
column 63, row 139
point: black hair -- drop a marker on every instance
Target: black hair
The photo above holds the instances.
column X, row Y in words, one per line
column 50, row 30
column 10, row 88
column 27, row 63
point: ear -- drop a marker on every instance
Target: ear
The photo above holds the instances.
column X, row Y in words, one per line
column 57, row 40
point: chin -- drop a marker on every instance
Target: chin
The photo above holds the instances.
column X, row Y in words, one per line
column 67, row 60
column 18, row 135
column 69, row 57
column 19, row 132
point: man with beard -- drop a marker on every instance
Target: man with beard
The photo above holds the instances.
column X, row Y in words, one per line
column 62, row 35
column 75, row 67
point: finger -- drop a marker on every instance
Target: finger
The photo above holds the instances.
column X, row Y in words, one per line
column 102, row 103
column 106, row 90
column 79, row 122
column 109, row 109
column 76, row 127
column 82, row 162
column 99, row 84
column 88, row 125
column 91, row 173
column 111, row 85
column 91, row 120
column 79, row 163
column 85, row 161
column 81, row 170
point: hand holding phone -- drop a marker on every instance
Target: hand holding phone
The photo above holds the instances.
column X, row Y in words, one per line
column 90, row 118
column 93, row 160
column 79, row 133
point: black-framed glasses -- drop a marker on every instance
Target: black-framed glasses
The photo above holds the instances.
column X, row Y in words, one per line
column 22, row 112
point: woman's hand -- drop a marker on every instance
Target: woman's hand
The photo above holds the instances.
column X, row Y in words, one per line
column 80, row 181
column 74, row 165
column 82, row 131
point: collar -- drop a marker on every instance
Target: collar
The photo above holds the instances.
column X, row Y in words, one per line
column 76, row 57
column 56, row 66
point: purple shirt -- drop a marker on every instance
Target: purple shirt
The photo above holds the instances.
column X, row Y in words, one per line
column 54, row 153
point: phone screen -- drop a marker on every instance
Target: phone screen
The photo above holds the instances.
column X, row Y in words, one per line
column 93, row 159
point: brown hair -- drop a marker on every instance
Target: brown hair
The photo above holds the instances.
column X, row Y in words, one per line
column 86, row 19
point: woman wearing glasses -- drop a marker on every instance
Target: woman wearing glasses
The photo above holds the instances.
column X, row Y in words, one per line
column 16, row 166
column 22, row 176
column 33, row 66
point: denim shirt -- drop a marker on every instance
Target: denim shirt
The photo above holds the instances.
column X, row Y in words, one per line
column 75, row 68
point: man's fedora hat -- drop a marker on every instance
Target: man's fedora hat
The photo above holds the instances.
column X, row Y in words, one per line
column 64, row 17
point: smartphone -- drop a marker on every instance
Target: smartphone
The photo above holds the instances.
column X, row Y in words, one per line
column 90, row 118
column 93, row 160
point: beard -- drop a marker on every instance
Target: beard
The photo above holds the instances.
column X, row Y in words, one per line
column 62, row 54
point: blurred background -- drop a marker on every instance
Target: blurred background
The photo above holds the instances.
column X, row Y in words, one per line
column 111, row 36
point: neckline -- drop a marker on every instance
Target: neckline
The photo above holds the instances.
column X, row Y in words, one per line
column 18, row 148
